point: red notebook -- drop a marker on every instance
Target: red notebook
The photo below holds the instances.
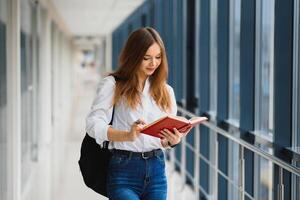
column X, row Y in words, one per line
column 170, row 122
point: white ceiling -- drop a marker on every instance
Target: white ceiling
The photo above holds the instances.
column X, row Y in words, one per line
column 94, row 17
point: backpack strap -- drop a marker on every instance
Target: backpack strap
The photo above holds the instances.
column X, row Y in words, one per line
column 106, row 143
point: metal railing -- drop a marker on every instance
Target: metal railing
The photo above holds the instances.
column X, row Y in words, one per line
column 212, row 194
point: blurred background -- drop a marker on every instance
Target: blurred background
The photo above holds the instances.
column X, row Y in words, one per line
column 234, row 61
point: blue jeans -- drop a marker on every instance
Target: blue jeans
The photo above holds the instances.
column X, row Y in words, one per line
column 135, row 178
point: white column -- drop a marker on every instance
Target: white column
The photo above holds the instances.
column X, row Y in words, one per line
column 45, row 110
column 45, row 96
column 13, row 101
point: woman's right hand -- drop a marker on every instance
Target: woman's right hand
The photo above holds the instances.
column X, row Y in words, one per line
column 135, row 130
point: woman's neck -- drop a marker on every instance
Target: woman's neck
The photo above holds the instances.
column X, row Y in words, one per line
column 142, row 81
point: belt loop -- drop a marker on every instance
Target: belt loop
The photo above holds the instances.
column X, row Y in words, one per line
column 156, row 153
column 130, row 155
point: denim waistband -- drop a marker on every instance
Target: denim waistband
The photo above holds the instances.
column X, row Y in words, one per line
column 144, row 155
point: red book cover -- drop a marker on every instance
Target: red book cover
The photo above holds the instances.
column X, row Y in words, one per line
column 170, row 122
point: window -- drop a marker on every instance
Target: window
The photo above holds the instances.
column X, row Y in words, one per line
column 234, row 93
column 213, row 57
column 264, row 68
column 264, row 94
column 29, row 61
column 190, row 56
column 234, row 60
column 213, row 174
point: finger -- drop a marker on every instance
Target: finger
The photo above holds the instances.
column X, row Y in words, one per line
column 176, row 133
column 165, row 135
column 171, row 135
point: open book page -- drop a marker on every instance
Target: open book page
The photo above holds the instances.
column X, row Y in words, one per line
column 171, row 122
column 197, row 120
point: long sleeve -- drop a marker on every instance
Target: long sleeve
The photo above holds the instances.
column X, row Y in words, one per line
column 97, row 121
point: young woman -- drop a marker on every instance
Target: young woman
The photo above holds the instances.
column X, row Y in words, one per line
column 139, row 94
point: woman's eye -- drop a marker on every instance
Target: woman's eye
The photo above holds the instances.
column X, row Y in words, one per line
column 158, row 57
column 146, row 58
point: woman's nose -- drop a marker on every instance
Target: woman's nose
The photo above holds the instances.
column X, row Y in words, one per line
column 153, row 62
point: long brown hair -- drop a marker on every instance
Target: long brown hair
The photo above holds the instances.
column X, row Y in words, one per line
column 130, row 61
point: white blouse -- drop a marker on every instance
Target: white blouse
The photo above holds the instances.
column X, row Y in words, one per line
column 97, row 121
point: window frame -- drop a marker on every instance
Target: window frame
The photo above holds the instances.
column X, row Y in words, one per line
column 296, row 96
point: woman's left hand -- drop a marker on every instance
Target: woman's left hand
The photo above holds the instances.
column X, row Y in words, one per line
column 174, row 137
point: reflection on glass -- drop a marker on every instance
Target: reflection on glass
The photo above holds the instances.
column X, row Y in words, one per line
column 266, row 180
column 265, row 68
column 213, row 56
column 27, row 90
column 233, row 151
column 234, row 43
column 234, row 93
column 264, row 93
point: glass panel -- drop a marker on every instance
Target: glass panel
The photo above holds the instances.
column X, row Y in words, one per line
column 264, row 88
column 264, row 93
column 29, row 59
column 213, row 57
column 263, row 180
column 233, row 168
column 265, row 189
column 179, row 46
column 3, row 11
column 234, row 93
column 212, row 177
column 234, row 67
column 3, row 105
column 213, row 156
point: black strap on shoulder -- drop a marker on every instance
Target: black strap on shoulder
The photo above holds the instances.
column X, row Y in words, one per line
column 112, row 116
column 106, row 143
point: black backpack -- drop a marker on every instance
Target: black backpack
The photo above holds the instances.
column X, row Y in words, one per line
column 93, row 163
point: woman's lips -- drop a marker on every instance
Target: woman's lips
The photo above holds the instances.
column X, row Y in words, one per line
column 150, row 69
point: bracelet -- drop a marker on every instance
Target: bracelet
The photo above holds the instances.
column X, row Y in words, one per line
column 172, row 146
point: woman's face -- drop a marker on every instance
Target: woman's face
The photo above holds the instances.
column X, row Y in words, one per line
column 151, row 60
